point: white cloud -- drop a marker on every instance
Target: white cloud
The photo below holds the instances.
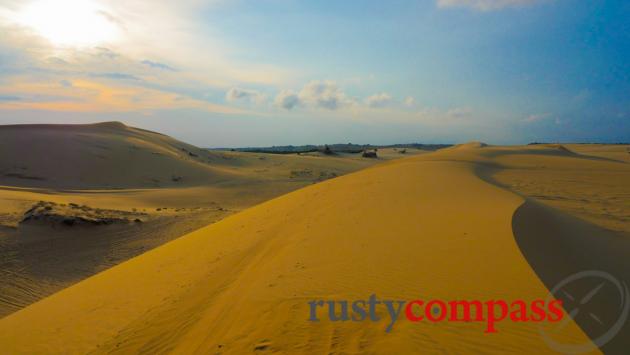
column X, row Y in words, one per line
column 287, row 99
column 324, row 94
column 252, row 96
column 379, row 100
column 484, row 5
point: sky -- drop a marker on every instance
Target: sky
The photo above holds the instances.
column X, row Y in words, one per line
column 221, row 73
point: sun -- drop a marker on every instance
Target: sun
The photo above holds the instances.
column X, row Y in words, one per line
column 70, row 22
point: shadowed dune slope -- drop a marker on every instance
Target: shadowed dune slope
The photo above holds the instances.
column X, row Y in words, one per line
column 425, row 227
column 557, row 246
column 102, row 155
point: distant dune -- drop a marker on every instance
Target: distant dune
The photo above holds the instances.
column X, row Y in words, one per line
column 612, row 151
column 103, row 155
column 432, row 226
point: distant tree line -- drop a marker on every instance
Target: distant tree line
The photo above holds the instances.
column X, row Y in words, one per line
column 333, row 148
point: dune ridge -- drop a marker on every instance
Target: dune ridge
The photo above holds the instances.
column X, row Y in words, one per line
column 83, row 198
column 88, row 156
column 422, row 227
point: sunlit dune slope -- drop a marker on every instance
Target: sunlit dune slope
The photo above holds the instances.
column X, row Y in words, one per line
column 78, row 199
column 426, row 227
column 103, row 155
column 619, row 152
column 592, row 187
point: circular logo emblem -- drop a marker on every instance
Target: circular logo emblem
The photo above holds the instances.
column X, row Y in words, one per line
column 597, row 302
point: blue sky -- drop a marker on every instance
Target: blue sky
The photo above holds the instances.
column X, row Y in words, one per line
column 245, row 73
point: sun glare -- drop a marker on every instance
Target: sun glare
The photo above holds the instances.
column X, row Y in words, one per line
column 69, row 22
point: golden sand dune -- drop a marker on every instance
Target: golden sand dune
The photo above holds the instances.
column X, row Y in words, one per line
column 83, row 198
column 426, row 227
column 592, row 187
column 616, row 151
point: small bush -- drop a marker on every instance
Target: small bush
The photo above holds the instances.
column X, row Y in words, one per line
column 370, row 154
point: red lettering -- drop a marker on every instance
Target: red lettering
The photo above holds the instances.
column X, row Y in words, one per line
column 519, row 311
column 555, row 308
column 409, row 311
column 429, row 311
column 539, row 314
column 492, row 317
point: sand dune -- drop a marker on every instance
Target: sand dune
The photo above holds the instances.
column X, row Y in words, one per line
column 619, row 152
column 93, row 156
column 594, row 188
column 432, row 226
column 83, row 198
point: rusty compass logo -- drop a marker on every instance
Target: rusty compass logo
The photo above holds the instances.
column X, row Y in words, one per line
column 595, row 300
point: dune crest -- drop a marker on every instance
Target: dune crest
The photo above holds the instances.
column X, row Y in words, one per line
column 83, row 198
column 470, row 145
column 111, row 125
column 89, row 156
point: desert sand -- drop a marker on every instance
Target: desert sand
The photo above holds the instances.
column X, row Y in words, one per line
column 471, row 221
column 124, row 191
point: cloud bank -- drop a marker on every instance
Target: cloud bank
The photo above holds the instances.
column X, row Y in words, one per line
column 156, row 52
column 316, row 94
column 324, row 94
